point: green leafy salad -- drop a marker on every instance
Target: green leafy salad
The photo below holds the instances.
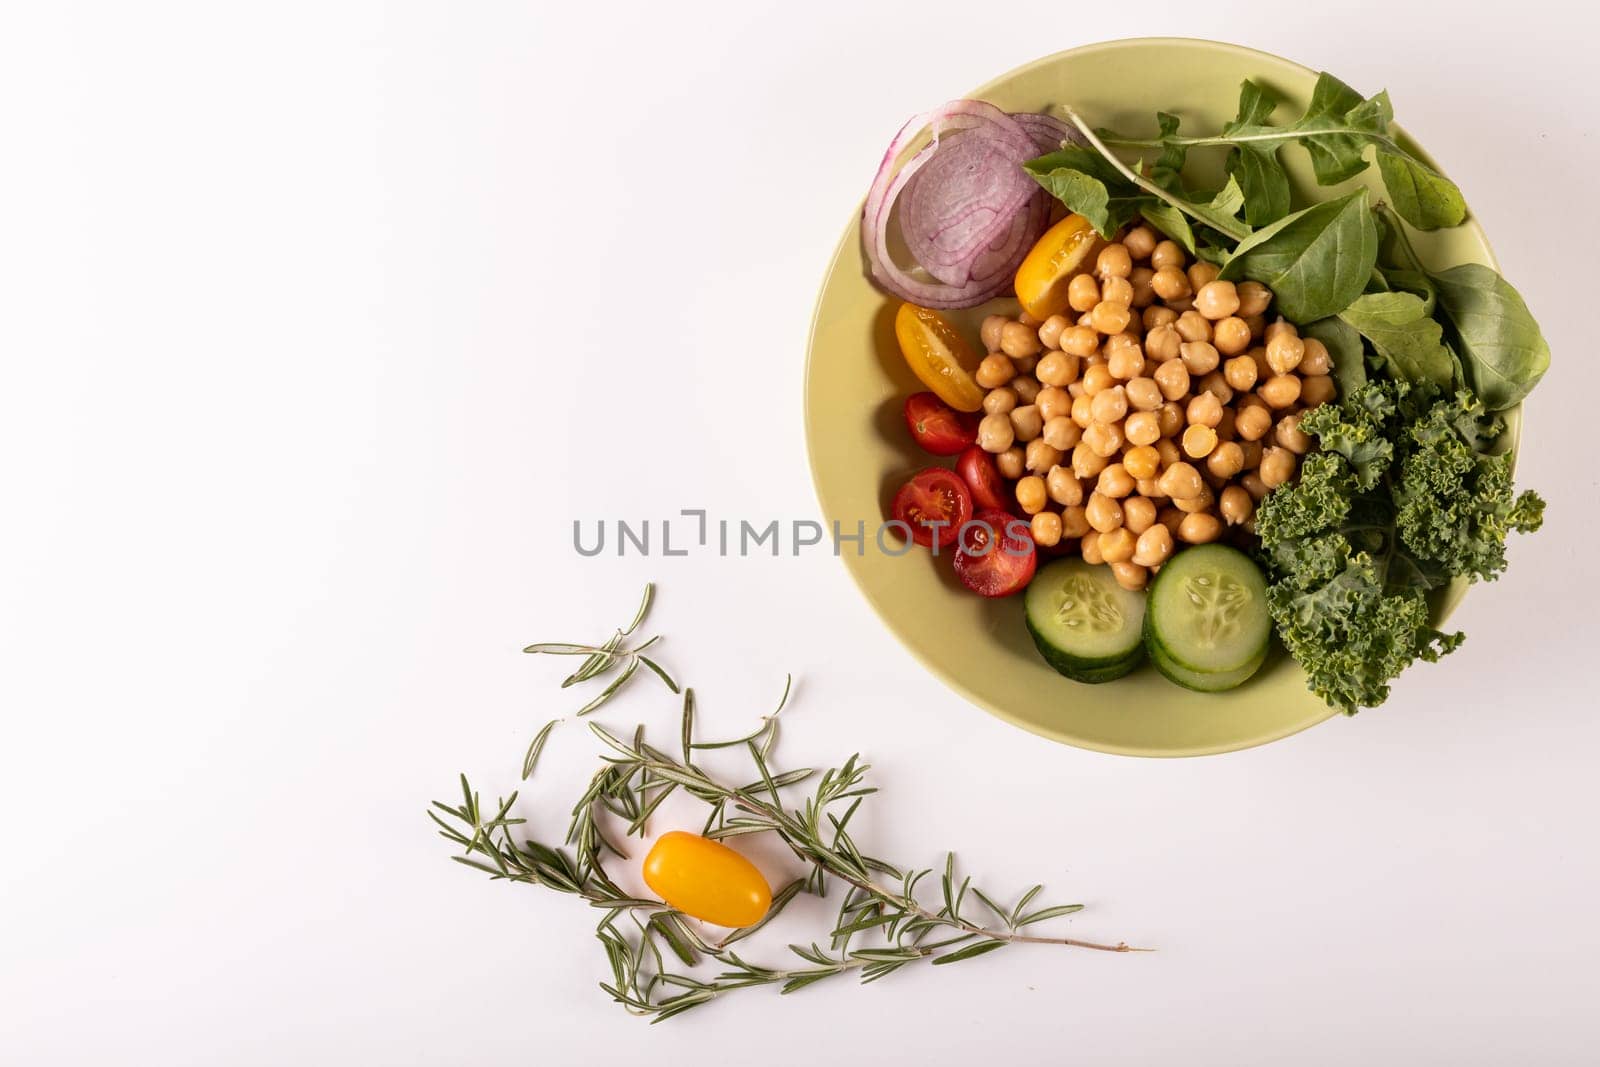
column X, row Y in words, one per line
column 1409, row 487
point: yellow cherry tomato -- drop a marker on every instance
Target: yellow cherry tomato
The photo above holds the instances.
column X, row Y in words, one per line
column 939, row 356
column 1048, row 268
column 706, row 879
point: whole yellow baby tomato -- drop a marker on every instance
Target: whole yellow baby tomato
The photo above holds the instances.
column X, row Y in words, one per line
column 939, row 356
column 706, row 879
column 1048, row 268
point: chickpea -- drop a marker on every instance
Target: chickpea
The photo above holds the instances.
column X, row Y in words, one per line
column 1193, row 326
column 1117, row 546
column 1182, row 304
column 1041, row 455
column 995, row 433
column 1240, row 373
column 1317, row 391
column 1215, row 300
column 1116, row 291
column 1109, row 405
column 1153, row 547
column 1073, row 523
column 1103, row 513
column 1289, row 435
column 1138, row 514
column 1000, row 401
column 1167, row 254
column 1258, row 327
column 1027, row 389
column 1281, row 327
column 1057, row 369
column 1086, row 462
column 1252, row 484
column 1158, row 315
column 1171, row 518
column 1279, row 391
column 1171, row 419
column 1316, row 360
column 1031, row 496
column 1142, row 428
column 1181, row 481
column 989, row 332
column 1045, row 529
column 1149, row 488
column 1050, row 331
column 1226, row 460
column 1083, row 292
column 1236, row 505
column 1143, row 394
column 1052, row 402
column 1284, row 353
column 1143, row 295
column 1252, row 422
column 1103, row 438
column 1110, row 318
column 1168, row 452
column 1202, row 274
column 1277, row 467
column 1009, row 462
column 1081, row 406
column 995, row 371
column 1115, row 482
column 1063, row 486
column 1061, row 433
column 1217, row 385
column 1089, row 546
column 1028, row 320
column 1127, row 362
column 1251, row 450
column 1204, row 410
column 1130, row 575
column 1199, row 528
column 1017, row 340
column 1170, row 283
column 1025, row 364
column 1097, row 379
column 1258, row 356
column 1140, row 242
column 1253, row 299
column 1080, row 341
column 1231, row 335
column 1198, row 441
column 1173, row 379
column 1026, row 423
column 1200, row 357
column 1141, row 461
column 1163, row 343
column 1114, row 261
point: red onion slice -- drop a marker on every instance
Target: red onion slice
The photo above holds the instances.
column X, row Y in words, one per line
column 966, row 210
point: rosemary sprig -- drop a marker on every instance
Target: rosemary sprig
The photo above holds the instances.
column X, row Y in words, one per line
column 881, row 926
column 603, row 659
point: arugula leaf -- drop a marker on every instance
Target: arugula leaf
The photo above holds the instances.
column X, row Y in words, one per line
column 1332, row 132
column 1404, row 335
column 1503, row 351
column 1255, row 166
column 1170, row 221
column 1316, row 261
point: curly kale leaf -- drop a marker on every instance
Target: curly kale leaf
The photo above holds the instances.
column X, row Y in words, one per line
column 1455, row 503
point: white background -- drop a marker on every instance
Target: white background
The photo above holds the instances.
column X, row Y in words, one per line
column 321, row 322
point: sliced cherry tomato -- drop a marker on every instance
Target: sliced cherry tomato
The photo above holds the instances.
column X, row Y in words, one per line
column 938, row 427
column 996, row 554
column 933, row 496
column 977, row 469
column 939, row 356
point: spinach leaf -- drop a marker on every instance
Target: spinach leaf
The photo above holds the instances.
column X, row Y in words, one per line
column 1404, row 335
column 1088, row 184
column 1344, row 348
column 1316, row 261
column 1501, row 346
column 1423, row 197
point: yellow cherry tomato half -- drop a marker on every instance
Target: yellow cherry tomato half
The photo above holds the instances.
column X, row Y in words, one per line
column 1048, row 268
column 939, row 356
column 706, row 879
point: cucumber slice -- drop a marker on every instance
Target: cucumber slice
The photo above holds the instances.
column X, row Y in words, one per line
column 1200, row 682
column 1084, row 624
column 1208, row 612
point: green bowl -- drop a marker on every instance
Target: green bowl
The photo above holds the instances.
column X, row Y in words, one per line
column 860, row 452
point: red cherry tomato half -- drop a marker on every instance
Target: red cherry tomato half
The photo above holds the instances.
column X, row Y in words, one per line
column 937, row 427
column 932, row 496
column 996, row 554
column 977, row 469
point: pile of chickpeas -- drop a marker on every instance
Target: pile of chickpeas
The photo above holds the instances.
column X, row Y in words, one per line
column 1163, row 413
